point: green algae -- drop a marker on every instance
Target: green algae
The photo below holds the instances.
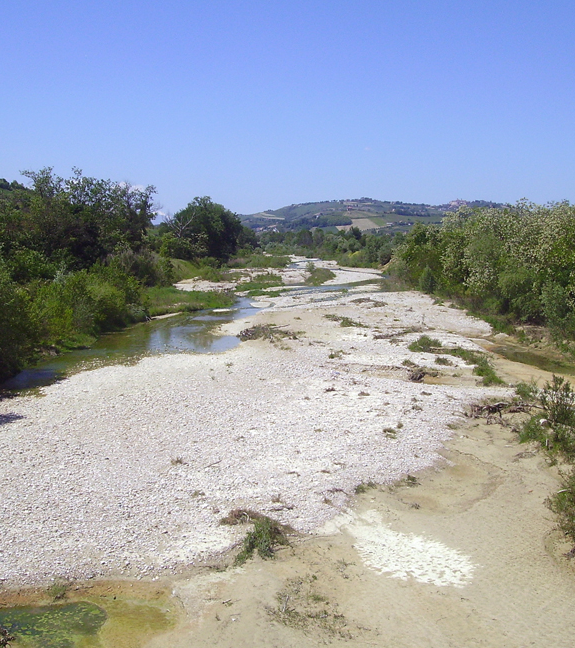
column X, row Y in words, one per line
column 54, row 626
column 115, row 622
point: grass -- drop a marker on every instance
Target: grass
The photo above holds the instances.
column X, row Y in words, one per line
column 425, row 344
column 260, row 261
column 562, row 503
column 555, row 433
column 301, row 606
column 319, row 276
column 363, row 488
column 344, row 321
column 260, row 282
column 58, row 590
column 555, row 430
column 264, row 538
column 483, row 367
column 167, row 299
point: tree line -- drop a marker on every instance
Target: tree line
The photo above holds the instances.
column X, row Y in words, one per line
column 76, row 255
column 515, row 263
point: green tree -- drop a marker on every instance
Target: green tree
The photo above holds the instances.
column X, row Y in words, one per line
column 210, row 222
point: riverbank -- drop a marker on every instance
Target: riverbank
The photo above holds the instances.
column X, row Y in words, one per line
column 125, row 473
column 127, row 470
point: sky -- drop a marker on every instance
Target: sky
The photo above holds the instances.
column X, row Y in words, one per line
column 261, row 104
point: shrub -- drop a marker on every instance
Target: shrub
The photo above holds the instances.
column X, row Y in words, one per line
column 266, row 535
column 425, row 344
column 556, row 431
column 17, row 330
column 427, row 282
column 562, row 504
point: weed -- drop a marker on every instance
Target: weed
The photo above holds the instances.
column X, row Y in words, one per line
column 261, row 282
column 266, row 535
column 555, row 432
column 163, row 300
column 562, row 504
column 425, row 344
column 482, row 368
column 527, row 391
column 344, row 321
column 335, row 355
column 390, row 433
column 177, row 461
column 300, row 606
column 441, row 360
column 363, row 488
column 318, row 276
column 5, row 637
column 57, row 591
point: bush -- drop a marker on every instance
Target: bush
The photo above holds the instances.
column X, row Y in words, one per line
column 425, row 344
column 88, row 302
column 17, row 330
column 555, row 432
column 563, row 505
column 427, row 282
column 266, row 535
column 149, row 268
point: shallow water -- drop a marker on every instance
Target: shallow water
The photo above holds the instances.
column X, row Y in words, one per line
column 54, row 626
column 534, row 359
column 183, row 333
column 115, row 622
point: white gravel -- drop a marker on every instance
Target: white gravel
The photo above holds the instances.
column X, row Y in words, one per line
column 91, row 483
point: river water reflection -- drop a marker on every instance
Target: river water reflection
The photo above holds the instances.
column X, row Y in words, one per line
column 183, row 333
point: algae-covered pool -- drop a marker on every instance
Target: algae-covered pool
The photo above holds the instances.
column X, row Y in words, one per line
column 112, row 622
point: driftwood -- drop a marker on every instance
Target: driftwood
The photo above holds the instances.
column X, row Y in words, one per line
column 5, row 637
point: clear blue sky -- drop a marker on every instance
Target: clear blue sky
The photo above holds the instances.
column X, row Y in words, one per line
column 260, row 104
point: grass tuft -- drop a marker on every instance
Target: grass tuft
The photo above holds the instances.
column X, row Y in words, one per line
column 264, row 538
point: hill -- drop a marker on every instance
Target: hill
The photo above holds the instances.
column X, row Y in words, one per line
column 364, row 213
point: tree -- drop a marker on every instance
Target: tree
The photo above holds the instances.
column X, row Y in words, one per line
column 204, row 218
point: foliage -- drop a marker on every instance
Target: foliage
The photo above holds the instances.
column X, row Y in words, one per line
column 205, row 229
column 17, row 334
column 344, row 321
column 562, row 504
column 319, row 276
column 75, row 254
column 266, row 535
column 425, row 344
column 482, row 368
column 164, row 300
column 555, row 431
column 514, row 261
column 76, row 221
column 351, row 248
column 260, row 282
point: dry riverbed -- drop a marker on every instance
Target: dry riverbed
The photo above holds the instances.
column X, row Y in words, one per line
column 124, row 472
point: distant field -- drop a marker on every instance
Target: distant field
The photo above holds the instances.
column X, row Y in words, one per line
column 364, row 223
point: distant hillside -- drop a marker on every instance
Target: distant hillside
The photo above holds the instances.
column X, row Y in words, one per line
column 365, row 213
